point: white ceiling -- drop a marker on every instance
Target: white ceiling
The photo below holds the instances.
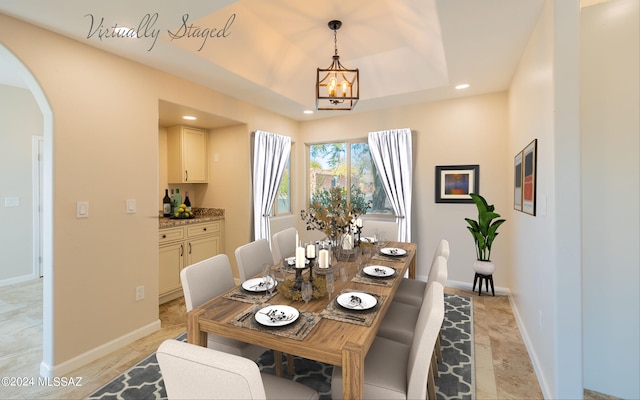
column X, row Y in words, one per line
column 407, row 51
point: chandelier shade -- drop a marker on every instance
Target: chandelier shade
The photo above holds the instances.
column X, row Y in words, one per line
column 337, row 87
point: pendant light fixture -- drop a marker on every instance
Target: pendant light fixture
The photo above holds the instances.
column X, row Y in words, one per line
column 337, row 87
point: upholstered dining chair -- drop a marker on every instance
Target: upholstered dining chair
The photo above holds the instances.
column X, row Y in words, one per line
column 411, row 291
column 205, row 280
column 394, row 370
column 400, row 320
column 283, row 244
column 388, row 229
column 250, row 258
column 195, row 372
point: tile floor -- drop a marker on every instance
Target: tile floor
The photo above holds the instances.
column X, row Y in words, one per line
column 503, row 367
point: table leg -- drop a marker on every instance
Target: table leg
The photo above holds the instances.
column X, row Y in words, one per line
column 352, row 372
column 412, row 268
column 194, row 334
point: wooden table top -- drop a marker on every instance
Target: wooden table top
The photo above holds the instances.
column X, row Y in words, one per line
column 330, row 341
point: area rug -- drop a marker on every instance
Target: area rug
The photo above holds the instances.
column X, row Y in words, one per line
column 455, row 380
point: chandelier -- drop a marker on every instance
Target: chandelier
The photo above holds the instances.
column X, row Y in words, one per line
column 337, row 87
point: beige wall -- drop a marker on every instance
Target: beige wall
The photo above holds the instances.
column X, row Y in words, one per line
column 610, row 119
column 471, row 130
column 21, row 121
column 106, row 150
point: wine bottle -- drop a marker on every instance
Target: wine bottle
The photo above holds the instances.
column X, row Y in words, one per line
column 166, row 204
column 187, row 202
column 174, row 206
column 178, row 199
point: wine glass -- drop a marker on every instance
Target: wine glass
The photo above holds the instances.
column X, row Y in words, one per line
column 307, row 292
column 269, row 281
column 344, row 274
column 330, row 279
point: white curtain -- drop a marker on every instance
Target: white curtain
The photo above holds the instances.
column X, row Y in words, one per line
column 270, row 155
column 391, row 153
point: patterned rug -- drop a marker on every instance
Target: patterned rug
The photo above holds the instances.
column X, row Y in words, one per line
column 455, row 381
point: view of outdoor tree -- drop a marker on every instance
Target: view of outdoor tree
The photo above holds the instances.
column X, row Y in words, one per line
column 346, row 165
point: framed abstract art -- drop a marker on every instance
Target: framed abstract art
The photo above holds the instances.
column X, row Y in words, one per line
column 455, row 182
column 525, row 167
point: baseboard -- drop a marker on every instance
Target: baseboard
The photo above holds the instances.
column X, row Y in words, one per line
column 18, row 279
column 469, row 286
column 544, row 387
column 63, row 368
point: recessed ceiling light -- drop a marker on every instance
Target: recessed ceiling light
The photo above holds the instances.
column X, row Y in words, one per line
column 308, row 111
column 189, row 117
column 462, row 86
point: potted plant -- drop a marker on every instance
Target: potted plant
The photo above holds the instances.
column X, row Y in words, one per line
column 484, row 232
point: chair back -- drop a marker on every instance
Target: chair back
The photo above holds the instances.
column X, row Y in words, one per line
column 252, row 256
column 426, row 332
column 439, row 271
column 442, row 249
column 283, row 244
column 205, row 280
column 388, row 229
column 195, row 372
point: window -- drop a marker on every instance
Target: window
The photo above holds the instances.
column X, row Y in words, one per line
column 282, row 205
column 346, row 165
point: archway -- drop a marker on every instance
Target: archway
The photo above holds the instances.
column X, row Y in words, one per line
column 8, row 58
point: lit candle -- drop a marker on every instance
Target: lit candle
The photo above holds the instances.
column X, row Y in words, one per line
column 323, row 258
column 359, row 222
column 311, row 251
column 300, row 259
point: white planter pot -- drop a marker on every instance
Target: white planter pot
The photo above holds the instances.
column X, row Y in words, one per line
column 484, row 267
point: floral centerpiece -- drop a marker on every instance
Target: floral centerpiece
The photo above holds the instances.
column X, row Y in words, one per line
column 330, row 213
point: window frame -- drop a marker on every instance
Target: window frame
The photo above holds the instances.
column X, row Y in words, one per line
column 348, row 143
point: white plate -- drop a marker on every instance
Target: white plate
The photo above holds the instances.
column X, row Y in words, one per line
column 368, row 239
column 357, row 301
column 379, row 271
column 277, row 315
column 393, row 251
column 257, row 284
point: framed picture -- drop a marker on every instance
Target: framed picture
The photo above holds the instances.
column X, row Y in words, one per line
column 455, row 182
column 517, row 182
column 529, row 167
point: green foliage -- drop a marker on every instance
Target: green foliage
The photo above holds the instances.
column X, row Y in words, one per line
column 484, row 230
column 330, row 213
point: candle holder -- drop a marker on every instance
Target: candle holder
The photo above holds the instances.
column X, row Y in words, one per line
column 358, row 232
column 312, row 261
column 297, row 283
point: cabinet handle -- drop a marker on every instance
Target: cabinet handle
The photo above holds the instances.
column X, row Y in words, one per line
column 189, row 248
column 181, row 250
column 164, row 236
column 186, row 175
column 204, row 229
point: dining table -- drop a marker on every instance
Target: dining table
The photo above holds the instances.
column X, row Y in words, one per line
column 324, row 331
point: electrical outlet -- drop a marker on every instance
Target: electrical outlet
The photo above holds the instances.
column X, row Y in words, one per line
column 139, row 293
column 540, row 320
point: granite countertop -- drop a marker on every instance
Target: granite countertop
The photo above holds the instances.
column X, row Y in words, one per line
column 201, row 215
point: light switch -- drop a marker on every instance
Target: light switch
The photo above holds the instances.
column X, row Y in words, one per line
column 82, row 209
column 131, row 206
column 11, row 201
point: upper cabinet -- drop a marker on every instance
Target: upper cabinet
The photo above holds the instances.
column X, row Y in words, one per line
column 187, row 155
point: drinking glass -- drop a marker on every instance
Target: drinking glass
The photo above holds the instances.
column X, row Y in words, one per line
column 330, row 279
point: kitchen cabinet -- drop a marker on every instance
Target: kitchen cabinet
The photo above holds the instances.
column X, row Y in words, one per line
column 184, row 245
column 187, row 160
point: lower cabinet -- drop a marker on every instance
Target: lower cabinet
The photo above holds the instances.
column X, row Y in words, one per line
column 182, row 246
